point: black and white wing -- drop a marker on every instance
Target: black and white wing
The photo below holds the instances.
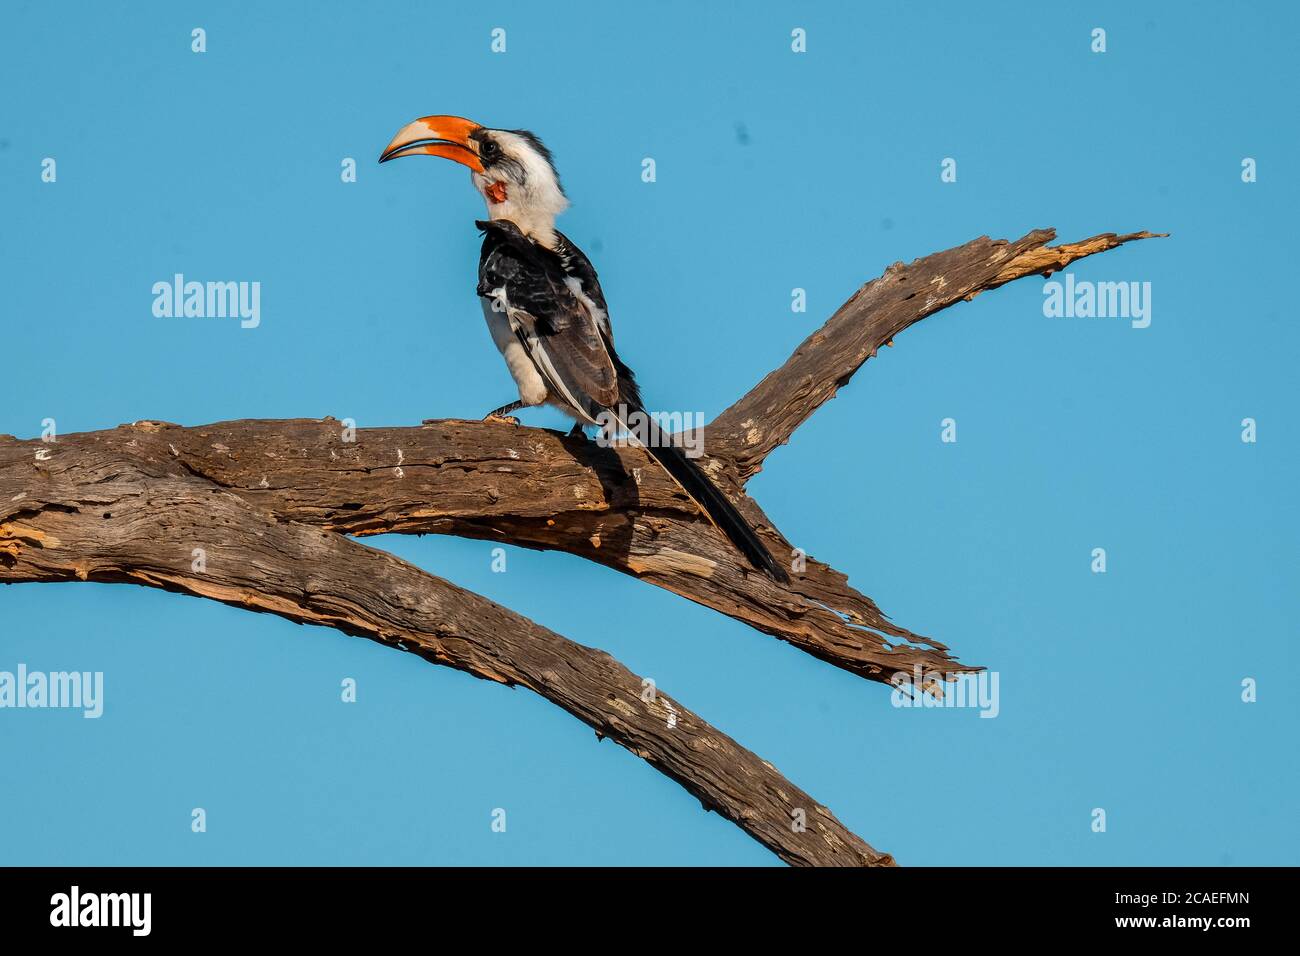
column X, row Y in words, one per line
column 552, row 317
column 555, row 307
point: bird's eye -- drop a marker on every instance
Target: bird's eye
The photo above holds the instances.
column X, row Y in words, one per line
column 489, row 149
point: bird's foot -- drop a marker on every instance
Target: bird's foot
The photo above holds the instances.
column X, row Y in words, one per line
column 576, row 431
column 502, row 414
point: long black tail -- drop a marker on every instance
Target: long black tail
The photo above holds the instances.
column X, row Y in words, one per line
column 713, row 503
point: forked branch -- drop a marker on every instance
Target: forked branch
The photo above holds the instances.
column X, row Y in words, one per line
column 273, row 502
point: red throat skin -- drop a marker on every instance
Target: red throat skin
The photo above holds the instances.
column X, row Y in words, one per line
column 496, row 193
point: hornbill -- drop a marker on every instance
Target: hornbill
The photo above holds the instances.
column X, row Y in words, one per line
column 545, row 309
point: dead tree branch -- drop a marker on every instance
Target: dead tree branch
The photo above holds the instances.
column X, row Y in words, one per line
column 273, row 502
column 112, row 518
column 769, row 413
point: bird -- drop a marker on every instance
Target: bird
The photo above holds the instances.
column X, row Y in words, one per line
column 545, row 309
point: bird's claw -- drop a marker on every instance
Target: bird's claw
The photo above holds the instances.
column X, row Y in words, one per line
column 503, row 419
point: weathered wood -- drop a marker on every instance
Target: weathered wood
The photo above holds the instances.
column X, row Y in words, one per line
column 768, row 414
column 534, row 488
column 272, row 501
column 117, row 516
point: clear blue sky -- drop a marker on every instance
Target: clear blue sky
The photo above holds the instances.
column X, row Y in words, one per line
column 775, row 170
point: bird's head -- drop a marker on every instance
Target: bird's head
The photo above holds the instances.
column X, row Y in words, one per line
column 511, row 169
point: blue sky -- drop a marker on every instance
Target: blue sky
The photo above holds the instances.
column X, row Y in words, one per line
column 775, row 170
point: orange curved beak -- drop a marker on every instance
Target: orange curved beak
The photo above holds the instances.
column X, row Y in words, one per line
column 445, row 136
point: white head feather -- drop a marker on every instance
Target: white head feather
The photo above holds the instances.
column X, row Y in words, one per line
column 533, row 195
